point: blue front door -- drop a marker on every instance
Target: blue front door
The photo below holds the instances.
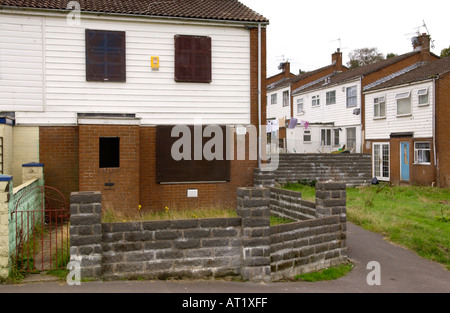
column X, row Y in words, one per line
column 404, row 161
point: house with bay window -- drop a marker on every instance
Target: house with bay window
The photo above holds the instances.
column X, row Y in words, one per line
column 407, row 129
column 91, row 89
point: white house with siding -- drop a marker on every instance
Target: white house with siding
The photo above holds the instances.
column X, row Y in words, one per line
column 131, row 69
column 43, row 71
column 328, row 116
column 401, row 117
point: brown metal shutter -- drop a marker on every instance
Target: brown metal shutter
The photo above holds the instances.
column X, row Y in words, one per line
column 192, row 59
column 105, row 56
column 169, row 171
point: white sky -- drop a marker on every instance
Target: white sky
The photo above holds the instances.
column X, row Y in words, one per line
column 306, row 32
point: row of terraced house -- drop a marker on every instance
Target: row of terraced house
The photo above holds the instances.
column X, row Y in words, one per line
column 395, row 109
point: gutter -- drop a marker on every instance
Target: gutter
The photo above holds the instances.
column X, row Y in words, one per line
column 259, row 96
column 436, row 165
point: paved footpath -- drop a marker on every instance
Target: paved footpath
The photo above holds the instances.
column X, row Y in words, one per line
column 402, row 271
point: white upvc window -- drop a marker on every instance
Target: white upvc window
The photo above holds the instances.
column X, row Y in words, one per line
column 379, row 107
column 273, row 98
column 403, row 104
column 315, row 102
column 331, row 97
column 422, row 153
column 336, row 137
column 351, row 138
column 325, row 137
column 380, row 161
column 300, row 108
column 286, row 98
column 307, row 136
column 352, row 98
column 422, row 95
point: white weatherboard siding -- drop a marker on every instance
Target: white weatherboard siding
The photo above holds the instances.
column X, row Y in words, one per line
column 21, row 59
column 420, row 121
column 153, row 95
column 325, row 116
column 277, row 110
column 337, row 113
column 296, row 143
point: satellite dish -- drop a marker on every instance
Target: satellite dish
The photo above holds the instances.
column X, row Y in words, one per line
column 415, row 40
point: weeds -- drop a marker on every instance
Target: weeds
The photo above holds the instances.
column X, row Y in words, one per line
column 330, row 273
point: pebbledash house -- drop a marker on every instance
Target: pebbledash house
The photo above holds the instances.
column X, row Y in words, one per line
column 90, row 90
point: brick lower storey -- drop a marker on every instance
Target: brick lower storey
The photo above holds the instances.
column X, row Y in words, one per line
column 419, row 174
column 71, row 163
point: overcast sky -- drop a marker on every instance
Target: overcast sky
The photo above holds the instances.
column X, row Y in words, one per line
column 307, row 32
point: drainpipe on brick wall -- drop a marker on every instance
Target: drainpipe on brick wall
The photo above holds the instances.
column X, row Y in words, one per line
column 259, row 95
column 436, row 165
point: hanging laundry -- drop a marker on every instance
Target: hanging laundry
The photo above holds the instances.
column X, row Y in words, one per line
column 269, row 127
column 275, row 126
column 292, row 123
column 282, row 122
column 306, row 125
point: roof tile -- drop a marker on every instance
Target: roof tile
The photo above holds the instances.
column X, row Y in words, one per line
column 229, row 10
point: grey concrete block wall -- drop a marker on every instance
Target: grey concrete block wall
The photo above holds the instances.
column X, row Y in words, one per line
column 197, row 248
column 194, row 248
column 306, row 246
column 253, row 208
column 86, row 232
column 289, row 204
column 352, row 168
column 318, row 237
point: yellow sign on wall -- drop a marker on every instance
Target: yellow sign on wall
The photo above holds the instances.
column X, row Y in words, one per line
column 155, row 62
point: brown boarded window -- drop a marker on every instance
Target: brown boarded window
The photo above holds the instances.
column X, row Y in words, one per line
column 192, row 59
column 105, row 56
column 169, row 170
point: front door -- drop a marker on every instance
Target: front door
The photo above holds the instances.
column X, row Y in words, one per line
column 404, row 161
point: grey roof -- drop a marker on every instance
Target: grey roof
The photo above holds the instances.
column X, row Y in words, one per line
column 424, row 72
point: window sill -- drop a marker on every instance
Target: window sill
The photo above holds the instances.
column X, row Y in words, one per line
column 423, row 105
column 379, row 118
column 424, row 163
column 404, row 115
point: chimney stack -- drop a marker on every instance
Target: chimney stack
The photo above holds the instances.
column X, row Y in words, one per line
column 422, row 43
column 336, row 59
column 287, row 69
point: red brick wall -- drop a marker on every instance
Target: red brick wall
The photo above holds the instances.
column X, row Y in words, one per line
column 443, row 129
column 58, row 151
column 124, row 195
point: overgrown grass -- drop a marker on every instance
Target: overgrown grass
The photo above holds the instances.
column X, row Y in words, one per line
column 60, row 261
column 330, row 273
column 111, row 216
column 275, row 220
column 417, row 218
column 308, row 191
